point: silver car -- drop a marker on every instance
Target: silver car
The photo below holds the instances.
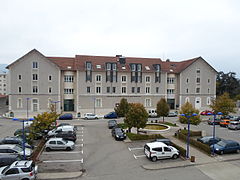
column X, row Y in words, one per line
column 15, row 148
column 234, row 125
column 19, row 170
column 59, row 144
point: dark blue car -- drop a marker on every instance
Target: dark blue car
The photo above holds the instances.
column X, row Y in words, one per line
column 67, row 116
column 111, row 115
column 226, row 146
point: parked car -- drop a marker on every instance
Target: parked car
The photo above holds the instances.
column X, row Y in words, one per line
column 165, row 141
column 63, row 124
column 205, row 113
column 8, row 159
column 224, row 122
column 118, row 133
column 111, row 115
column 15, row 140
column 27, row 123
column 90, row 116
column 152, row 113
column 60, row 129
column 173, row 114
column 19, row 170
column 226, row 117
column 67, row 116
column 234, row 125
column 209, row 140
column 19, row 133
column 226, row 146
column 59, row 144
column 112, row 123
column 235, row 118
column 15, row 148
column 159, row 150
column 66, row 135
column 211, row 121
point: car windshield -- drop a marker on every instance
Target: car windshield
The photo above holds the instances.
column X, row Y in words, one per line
column 17, row 148
column 222, row 143
column 5, row 169
column 112, row 121
column 118, row 130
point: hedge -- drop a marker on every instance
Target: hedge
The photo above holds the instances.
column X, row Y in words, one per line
column 195, row 143
column 192, row 133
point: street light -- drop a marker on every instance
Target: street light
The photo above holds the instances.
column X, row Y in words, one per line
column 27, row 107
column 188, row 116
column 214, row 129
column 23, row 133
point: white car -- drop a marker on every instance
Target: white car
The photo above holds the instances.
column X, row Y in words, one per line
column 22, row 170
column 90, row 116
column 60, row 129
column 59, row 144
column 159, row 150
column 15, row 148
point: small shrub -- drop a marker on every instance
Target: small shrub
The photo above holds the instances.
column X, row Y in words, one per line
column 192, row 133
column 122, row 125
column 169, row 123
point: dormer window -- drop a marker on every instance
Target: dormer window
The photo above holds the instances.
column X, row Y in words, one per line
column 98, row 66
column 133, row 67
column 157, row 67
column 89, row 65
column 139, row 67
column 108, row 66
column 114, row 66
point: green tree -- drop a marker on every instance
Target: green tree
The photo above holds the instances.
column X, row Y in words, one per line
column 162, row 108
column 223, row 104
column 188, row 109
column 137, row 116
column 122, row 108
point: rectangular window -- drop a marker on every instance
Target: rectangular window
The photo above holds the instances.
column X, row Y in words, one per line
column 19, row 77
column 157, row 89
column 198, row 71
column 98, row 102
column 147, row 102
column 170, row 80
column 208, row 80
column 98, row 78
column 49, row 78
column 133, row 67
column 34, row 77
column 198, row 80
column 108, row 89
column 68, row 78
column 114, row 66
column 197, row 90
column 186, row 90
column 124, row 90
column 89, row 66
column 35, row 65
column 133, row 89
column 113, row 89
column 138, row 89
column 139, row 67
column 147, row 90
column 68, row 91
column 187, row 80
column 19, row 89
column 147, row 78
column 208, row 91
column 88, row 89
column 124, row 78
column 98, row 89
column 108, row 66
column 19, row 103
column 35, row 89
column 170, row 91
column 35, row 105
column 50, row 90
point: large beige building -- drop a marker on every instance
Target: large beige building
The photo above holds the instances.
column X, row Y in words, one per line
column 83, row 84
column 3, row 83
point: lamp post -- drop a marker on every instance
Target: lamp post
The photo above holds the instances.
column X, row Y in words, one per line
column 23, row 134
column 188, row 116
column 27, row 107
column 214, row 129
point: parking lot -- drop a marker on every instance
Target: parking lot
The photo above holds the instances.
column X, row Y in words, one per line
column 60, row 161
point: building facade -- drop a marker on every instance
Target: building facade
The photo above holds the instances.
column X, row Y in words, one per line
column 3, row 83
column 96, row 84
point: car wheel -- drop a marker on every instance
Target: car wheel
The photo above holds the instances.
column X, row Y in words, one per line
column 221, row 152
column 25, row 179
column 175, row 156
column 85, row 118
column 154, row 158
column 238, row 150
column 48, row 149
column 68, row 149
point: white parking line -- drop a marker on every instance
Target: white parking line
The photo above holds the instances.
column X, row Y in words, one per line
column 79, row 145
column 74, row 152
column 138, row 156
column 63, row 161
column 132, row 149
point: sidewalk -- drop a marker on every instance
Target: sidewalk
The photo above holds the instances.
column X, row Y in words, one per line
column 65, row 175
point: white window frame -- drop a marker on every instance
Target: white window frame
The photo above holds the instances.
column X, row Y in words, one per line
column 49, row 90
column 20, row 88
column 114, row 66
column 148, row 90
column 35, row 65
column 98, row 78
column 187, row 99
column 124, row 87
column 108, row 66
column 98, row 102
column 148, row 102
column 197, row 90
column 35, row 89
column 147, row 79
column 35, row 77
column 49, row 79
column 208, row 101
column 88, row 65
column 98, row 90
column 19, row 103
column 19, row 75
column 35, row 103
column 122, row 78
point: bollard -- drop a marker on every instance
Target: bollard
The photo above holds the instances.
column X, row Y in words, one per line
column 192, row 159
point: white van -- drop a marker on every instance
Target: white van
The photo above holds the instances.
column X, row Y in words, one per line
column 152, row 113
column 159, row 150
column 59, row 129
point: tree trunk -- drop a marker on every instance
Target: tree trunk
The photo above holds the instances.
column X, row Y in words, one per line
column 163, row 118
column 129, row 130
column 137, row 130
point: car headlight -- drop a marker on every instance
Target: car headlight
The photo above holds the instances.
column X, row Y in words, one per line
column 217, row 149
column 117, row 136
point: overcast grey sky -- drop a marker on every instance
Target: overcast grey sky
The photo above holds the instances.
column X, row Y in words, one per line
column 174, row 29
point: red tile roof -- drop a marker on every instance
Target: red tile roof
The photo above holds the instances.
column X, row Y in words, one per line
column 78, row 63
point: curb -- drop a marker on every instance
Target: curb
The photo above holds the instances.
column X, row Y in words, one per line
column 67, row 175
